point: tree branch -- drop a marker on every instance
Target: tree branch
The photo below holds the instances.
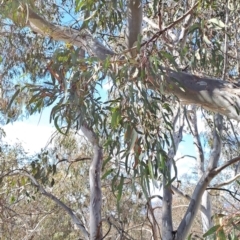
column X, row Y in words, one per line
column 167, row 224
column 158, row 34
column 202, row 184
column 226, row 190
column 227, row 182
column 187, row 197
column 53, row 198
column 82, row 39
column 134, row 27
column 197, row 142
column 226, row 164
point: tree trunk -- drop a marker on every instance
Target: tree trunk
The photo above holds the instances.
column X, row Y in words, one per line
column 95, row 184
column 207, row 215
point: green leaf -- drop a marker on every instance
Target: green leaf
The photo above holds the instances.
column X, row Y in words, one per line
column 190, row 236
column 217, row 22
column 120, row 188
column 115, row 118
column 12, row 199
column 119, row 195
column 194, row 27
column 238, row 182
column 54, row 168
column 57, row 126
column 13, row 98
column 133, row 139
column 150, row 168
column 211, row 230
column 107, row 173
column 52, row 182
column 221, row 235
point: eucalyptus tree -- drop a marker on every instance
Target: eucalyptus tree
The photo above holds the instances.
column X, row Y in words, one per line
column 157, row 57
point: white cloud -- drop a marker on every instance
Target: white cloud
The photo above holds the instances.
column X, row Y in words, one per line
column 32, row 136
column 32, row 133
column 107, row 85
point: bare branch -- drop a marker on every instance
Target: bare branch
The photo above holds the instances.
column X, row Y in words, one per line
column 227, row 182
column 158, row 34
column 226, row 164
column 233, row 194
column 204, row 181
column 197, row 142
column 82, row 38
column 186, row 196
column 53, row 198
column 217, row 142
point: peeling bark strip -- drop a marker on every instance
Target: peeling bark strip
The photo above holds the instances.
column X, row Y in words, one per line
column 212, row 94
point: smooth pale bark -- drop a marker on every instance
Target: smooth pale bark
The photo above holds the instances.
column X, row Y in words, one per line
column 167, row 223
column 77, row 38
column 187, row 197
column 206, row 201
column 95, row 184
column 204, row 181
column 206, row 216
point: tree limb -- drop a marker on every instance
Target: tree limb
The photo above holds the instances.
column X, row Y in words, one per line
column 82, row 39
column 187, row 197
column 227, row 182
column 134, row 27
column 167, row 224
column 204, row 181
column 53, row 198
column 233, row 194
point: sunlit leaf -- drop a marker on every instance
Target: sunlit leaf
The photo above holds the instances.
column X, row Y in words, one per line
column 217, row 22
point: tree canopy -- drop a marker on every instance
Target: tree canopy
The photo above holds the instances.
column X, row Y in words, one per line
column 164, row 63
